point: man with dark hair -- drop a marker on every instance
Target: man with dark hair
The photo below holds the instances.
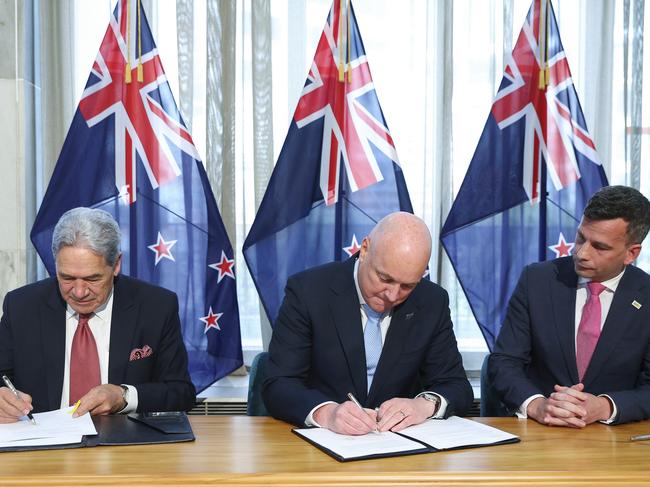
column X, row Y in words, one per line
column 111, row 342
column 575, row 345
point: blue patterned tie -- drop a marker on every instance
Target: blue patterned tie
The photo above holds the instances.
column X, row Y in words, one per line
column 372, row 341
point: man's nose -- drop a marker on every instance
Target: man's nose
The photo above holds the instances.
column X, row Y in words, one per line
column 392, row 291
column 79, row 290
column 582, row 251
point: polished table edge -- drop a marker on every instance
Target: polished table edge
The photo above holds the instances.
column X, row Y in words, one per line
column 529, row 478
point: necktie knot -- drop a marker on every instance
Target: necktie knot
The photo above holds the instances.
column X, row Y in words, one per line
column 595, row 288
column 371, row 313
column 84, row 317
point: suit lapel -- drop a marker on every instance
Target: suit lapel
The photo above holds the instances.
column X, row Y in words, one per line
column 123, row 324
column 346, row 314
column 52, row 323
column 620, row 318
column 563, row 299
column 403, row 319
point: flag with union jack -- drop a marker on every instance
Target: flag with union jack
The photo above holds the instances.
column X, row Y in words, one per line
column 337, row 173
column 532, row 173
column 128, row 152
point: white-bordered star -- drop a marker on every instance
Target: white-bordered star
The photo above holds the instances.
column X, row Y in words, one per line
column 224, row 267
column 211, row 320
column 354, row 246
column 162, row 248
column 562, row 248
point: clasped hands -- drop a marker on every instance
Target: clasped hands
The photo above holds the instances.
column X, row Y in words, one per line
column 571, row 407
column 394, row 415
column 103, row 399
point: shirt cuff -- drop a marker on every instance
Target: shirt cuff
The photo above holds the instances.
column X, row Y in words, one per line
column 442, row 409
column 522, row 413
column 309, row 420
column 614, row 410
column 132, row 403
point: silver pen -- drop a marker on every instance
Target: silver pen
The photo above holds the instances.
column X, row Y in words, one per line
column 13, row 389
column 640, row 437
column 354, row 400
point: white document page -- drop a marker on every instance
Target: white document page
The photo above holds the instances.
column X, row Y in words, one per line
column 50, row 427
column 360, row 446
column 455, row 432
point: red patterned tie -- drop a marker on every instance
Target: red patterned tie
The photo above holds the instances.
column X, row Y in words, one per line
column 589, row 328
column 84, row 361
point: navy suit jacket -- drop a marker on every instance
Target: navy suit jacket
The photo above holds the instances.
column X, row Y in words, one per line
column 317, row 351
column 32, row 344
column 536, row 346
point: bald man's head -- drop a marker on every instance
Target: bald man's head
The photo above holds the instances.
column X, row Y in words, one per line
column 393, row 259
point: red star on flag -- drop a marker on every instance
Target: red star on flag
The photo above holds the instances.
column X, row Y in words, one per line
column 562, row 248
column 211, row 320
column 163, row 249
column 224, row 268
column 354, row 247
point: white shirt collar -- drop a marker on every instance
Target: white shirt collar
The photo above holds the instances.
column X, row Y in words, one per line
column 610, row 284
column 103, row 312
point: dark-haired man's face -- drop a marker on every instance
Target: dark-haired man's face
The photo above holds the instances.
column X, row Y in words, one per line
column 601, row 249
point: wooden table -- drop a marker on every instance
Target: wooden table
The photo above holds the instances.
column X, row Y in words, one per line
column 246, row 451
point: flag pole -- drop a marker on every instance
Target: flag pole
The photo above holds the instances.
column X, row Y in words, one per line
column 343, row 61
column 543, row 83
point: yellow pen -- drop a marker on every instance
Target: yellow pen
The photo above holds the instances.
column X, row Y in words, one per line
column 74, row 409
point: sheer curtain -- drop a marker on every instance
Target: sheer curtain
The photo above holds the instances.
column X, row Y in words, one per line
column 237, row 68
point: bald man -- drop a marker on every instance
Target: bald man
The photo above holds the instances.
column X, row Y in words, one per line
column 372, row 327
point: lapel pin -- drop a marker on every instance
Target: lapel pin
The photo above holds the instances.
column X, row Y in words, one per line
column 636, row 304
column 408, row 316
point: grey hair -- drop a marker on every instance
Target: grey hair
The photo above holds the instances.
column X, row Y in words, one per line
column 88, row 228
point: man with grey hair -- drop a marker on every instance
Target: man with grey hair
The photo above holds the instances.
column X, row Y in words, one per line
column 90, row 336
column 372, row 327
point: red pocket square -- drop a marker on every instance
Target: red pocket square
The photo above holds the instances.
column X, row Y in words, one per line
column 138, row 353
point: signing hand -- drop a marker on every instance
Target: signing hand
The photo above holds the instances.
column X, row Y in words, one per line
column 346, row 418
column 12, row 407
column 399, row 413
column 104, row 399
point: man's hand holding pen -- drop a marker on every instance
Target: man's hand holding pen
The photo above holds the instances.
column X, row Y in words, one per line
column 12, row 406
column 346, row 418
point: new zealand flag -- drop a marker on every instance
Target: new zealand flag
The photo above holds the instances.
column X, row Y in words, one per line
column 533, row 171
column 128, row 152
column 337, row 173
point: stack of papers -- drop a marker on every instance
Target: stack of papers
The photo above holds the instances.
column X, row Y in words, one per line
column 52, row 428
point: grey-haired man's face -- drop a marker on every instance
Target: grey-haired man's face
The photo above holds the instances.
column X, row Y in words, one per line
column 85, row 279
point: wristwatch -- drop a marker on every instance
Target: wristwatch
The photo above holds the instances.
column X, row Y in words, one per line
column 434, row 399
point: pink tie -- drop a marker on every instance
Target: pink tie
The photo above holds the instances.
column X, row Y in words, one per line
column 589, row 328
column 84, row 361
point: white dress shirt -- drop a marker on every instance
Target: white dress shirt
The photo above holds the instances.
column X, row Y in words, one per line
column 384, row 324
column 100, row 325
column 582, row 295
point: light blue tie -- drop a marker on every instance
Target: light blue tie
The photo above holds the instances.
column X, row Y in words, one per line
column 372, row 341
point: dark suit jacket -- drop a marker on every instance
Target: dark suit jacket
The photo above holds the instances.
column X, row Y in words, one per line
column 317, row 352
column 536, row 346
column 32, row 344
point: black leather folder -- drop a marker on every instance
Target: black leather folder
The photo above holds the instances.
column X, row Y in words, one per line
column 132, row 429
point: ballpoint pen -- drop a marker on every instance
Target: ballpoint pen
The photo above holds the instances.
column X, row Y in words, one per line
column 640, row 437
column 354, row 400
column 13, row 389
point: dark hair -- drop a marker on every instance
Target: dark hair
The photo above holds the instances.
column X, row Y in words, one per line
column 613, row 202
